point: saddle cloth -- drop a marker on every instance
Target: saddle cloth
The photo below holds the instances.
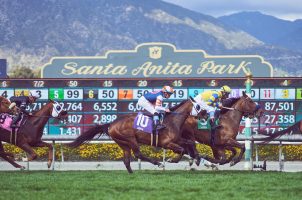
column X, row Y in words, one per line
column 6, row 121
column 143, row 123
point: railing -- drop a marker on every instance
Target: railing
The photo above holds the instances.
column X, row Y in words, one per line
column 255, row 141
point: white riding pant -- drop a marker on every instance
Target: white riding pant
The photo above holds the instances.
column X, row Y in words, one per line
column 144, row 103
column 204, row 106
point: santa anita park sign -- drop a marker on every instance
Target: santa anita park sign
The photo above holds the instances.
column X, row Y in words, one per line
column 157, row 60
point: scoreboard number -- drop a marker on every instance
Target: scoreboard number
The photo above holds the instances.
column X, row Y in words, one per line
column 287, row 93
column 43, row 93
column 177, row 83
column 193, row 92
column 56, row 93
column 73, row 94
column 4, row 84
column 125, row 94
column 72, row 83
column 299, row 93
column 7, row 93
column 267, row 93
column 142, row 83
column 38, row 83
column 137, row 93
column 21, row 92
column 107, row 84
column 180, row 94
column 107, row 94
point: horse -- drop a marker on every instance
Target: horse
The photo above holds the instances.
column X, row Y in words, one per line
column 226, row 133
column 30, row 132
column 128, row 138
column 4, row 106
column 295, row 129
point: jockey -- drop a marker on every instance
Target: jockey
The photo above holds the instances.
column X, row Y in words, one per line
column 211, row 100
column 153, row 103
column 21, row 102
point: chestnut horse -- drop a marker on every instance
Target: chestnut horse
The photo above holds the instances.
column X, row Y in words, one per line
column 122, row 132
column 4, row 104
column 30, row 133
column 226, row 133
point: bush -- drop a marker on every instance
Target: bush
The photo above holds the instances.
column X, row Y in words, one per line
column 101, row 151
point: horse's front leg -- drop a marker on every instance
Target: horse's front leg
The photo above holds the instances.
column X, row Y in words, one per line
column 31, row 154
column 8, row 157
column 50, row 151
column 231, row 143
column 185, row 144
column 219, row 154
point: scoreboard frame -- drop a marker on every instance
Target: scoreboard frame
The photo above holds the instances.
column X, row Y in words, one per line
column 91, row 101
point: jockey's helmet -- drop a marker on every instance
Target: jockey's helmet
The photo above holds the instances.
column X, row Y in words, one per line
column 34, row 94
column 168, row 89
column 226, row 89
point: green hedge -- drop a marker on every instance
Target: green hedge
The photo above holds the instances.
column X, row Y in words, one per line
column 94, row 152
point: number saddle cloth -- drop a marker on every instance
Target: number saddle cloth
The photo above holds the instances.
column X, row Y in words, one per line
column 143, row 122
column 6, row 121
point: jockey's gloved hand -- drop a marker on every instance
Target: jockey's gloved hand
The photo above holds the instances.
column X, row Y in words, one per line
column 167, row 110
column 212, row 120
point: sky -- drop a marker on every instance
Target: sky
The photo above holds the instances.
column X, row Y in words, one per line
column 283, row 9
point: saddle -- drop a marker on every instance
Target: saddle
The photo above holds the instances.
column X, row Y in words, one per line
column 144, row 122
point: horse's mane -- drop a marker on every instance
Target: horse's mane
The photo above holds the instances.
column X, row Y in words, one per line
column 178, row 105
column 229, row 102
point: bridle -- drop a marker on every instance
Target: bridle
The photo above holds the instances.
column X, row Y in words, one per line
column 61, row 114
column 250, row 114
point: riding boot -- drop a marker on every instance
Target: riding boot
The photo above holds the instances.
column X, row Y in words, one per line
column 156, row 122
column 15, row 120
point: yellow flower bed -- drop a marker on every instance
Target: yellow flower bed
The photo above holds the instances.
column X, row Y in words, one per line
column 114, row 152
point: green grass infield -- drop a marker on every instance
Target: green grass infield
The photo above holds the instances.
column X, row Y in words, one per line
column 153, row 185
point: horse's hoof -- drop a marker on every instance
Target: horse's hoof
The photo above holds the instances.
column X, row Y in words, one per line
column 161, row 165
column 191, row 161
column 49, row 164
column 22, row 168
column 193, row 169
column 214, row 167
column 197, row 162
column 24, row 159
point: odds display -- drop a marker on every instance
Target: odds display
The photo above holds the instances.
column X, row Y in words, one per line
column 96, row 101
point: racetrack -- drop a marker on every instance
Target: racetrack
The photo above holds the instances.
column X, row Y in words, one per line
column 118, row 165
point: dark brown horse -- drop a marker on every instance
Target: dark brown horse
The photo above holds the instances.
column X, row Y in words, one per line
column 30, row 133
column 225, row 135
column 295, row 129
column 128, row 138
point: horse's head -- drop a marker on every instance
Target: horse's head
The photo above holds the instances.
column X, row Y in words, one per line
column 5, row 104
column 248, row 107
column 197, row 111
column 188, row 107
column 57, row 110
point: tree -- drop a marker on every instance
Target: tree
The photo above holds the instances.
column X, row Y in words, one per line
column 23, row 72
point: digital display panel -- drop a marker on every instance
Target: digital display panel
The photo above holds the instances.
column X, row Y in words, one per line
column 98, row 101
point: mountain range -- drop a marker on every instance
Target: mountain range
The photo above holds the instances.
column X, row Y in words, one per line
column 34, row 31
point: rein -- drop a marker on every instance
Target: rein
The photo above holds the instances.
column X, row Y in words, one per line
column 245, row 113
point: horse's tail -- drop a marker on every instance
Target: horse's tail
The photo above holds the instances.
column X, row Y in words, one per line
column 294, row 128
column 89, row 135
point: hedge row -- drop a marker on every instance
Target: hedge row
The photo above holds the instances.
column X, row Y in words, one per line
column 96, row 152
